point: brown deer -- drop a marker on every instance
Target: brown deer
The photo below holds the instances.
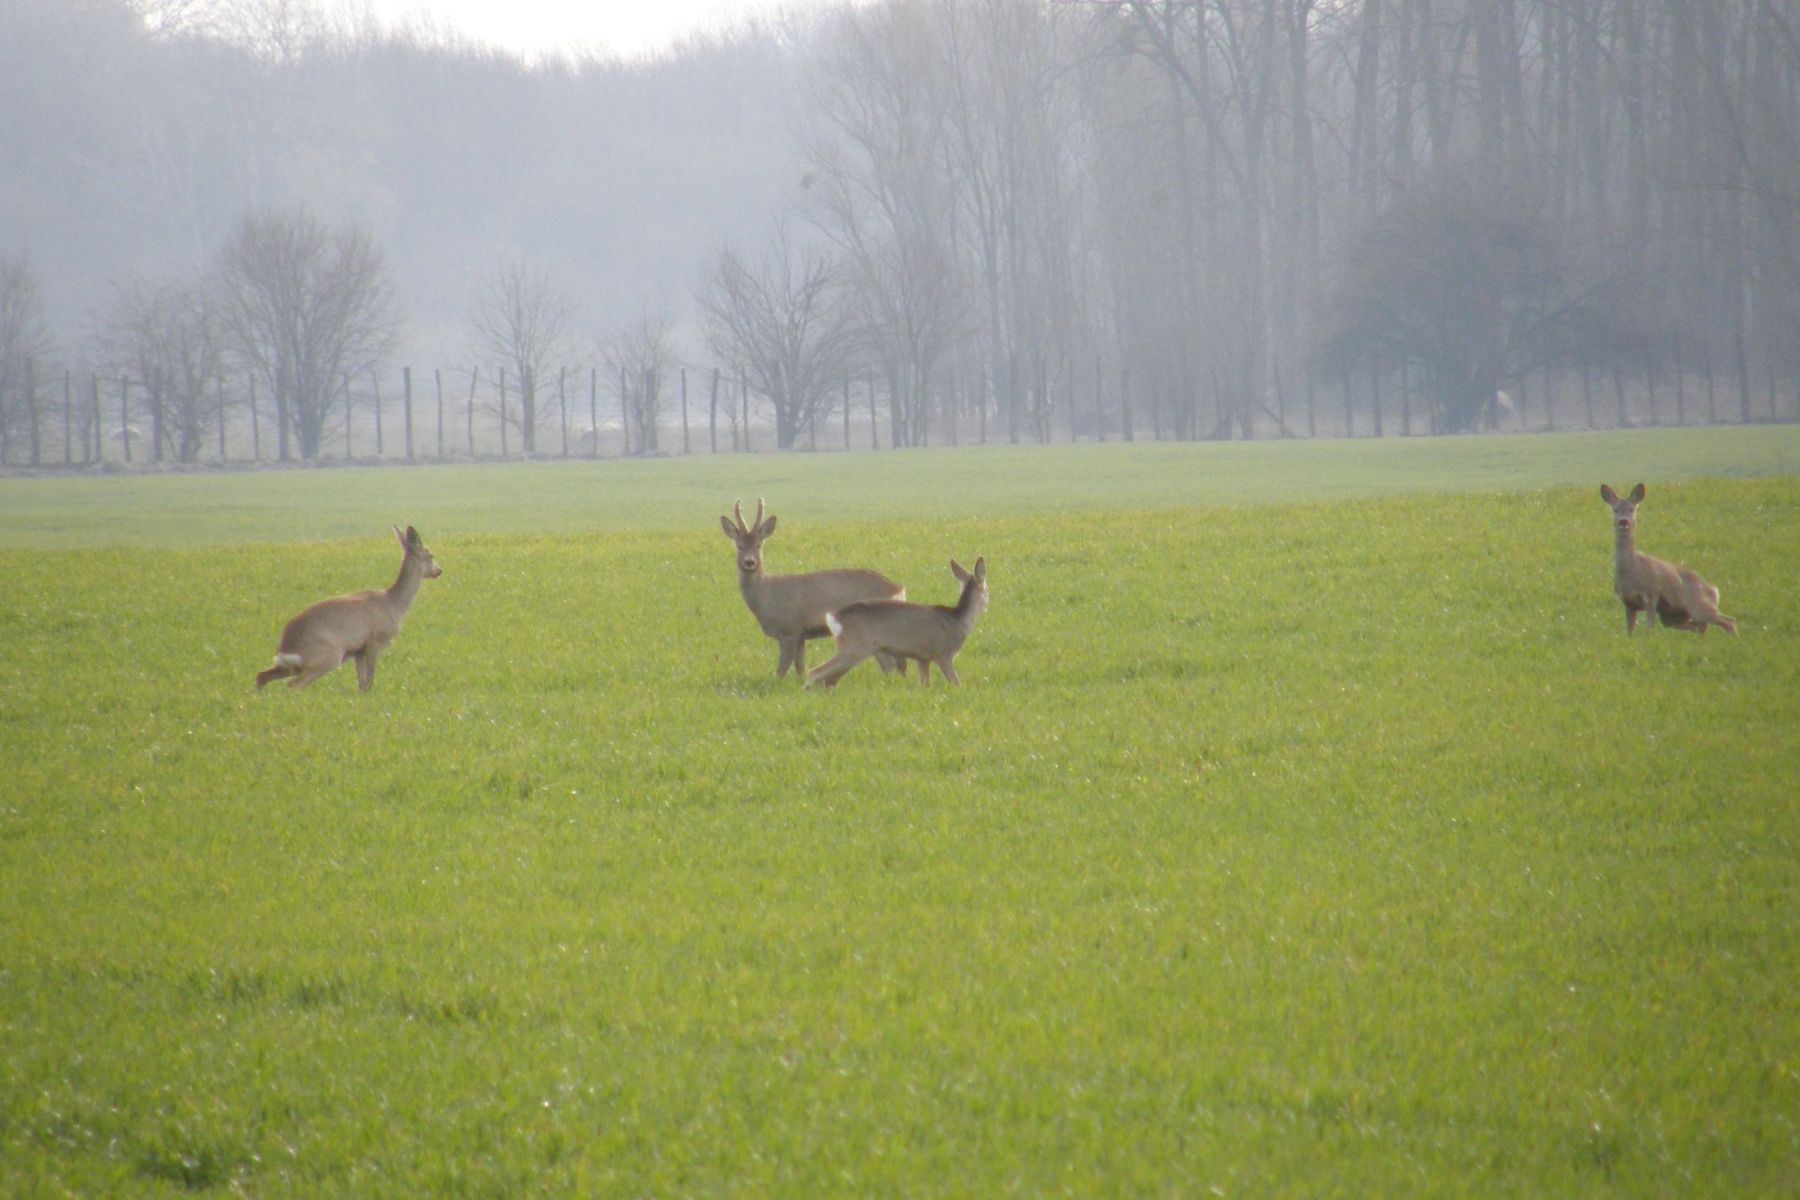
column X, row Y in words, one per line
column 359, row 625
column 927, row 633
column 1663, row 590
column 792, row 608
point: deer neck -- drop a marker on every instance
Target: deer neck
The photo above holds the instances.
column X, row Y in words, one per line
column 754, row 587
column 966, row 609
column 1624, row 548
column 406, row 584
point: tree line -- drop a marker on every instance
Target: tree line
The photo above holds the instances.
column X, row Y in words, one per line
column 1183, row 218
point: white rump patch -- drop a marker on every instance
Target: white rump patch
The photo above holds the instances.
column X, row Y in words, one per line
column 288, row 660
column 900, row 595
column 832, row 623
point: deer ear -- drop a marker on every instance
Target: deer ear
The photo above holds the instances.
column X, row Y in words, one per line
column 1637, row 493
column 956, row 569
column 400, row 536
column 413, row 539
column 1608, row 495
column 980, row 569
column 730, row 531
column 766, row 528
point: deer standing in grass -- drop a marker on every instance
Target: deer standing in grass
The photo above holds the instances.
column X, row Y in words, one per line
column 927, row 633
column 792, row 608
column 1662, row 590
column 359, row 625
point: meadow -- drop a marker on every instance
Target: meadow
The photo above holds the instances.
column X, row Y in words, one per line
column 1306, row 824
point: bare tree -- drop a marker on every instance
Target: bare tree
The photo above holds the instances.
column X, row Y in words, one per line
column 165, row 337
column 1470, row 286
column 641, row 356
column 25, row 344
column 783, row 320
column 523, row 319
column 304, row 306
column 881, row 191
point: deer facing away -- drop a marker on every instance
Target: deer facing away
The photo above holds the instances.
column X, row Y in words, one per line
column 1664, row 591
column 926, row 633
column 792, row 608
column 359, row 625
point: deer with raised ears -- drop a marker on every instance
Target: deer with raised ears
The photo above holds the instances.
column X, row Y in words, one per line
column 924, row 633
column 359, row 625
column 792, row 608
column 1663, row 591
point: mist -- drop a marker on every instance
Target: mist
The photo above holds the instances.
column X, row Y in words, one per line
column 901, row 223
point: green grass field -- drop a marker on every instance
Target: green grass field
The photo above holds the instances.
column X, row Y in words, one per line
column 1306, row 825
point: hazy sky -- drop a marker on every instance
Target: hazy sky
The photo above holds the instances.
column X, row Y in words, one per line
column 534, row 27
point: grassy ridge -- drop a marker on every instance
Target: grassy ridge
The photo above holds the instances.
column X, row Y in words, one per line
column 307, row 505
column 1323, row 848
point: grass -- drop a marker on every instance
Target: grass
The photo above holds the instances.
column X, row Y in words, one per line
column 208, row 508
column 1340, row 846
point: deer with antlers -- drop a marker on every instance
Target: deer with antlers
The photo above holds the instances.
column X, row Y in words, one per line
column 792, row 608
column 359, row 625
column 925, row 633
column 1664, row 591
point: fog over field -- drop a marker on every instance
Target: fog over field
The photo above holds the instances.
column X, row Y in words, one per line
column 981, row 219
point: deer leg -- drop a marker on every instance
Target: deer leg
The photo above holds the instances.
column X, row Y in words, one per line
column 365, row 670
column 310, row 671
column 1630, row 619
column 949, row 670
column 271, row 674
column 924, row 672
column 890, row 663
column 787, row 657
column 834, row 668
column 800, row 658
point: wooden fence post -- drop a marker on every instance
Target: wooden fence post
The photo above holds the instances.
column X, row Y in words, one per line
column 406, row 386
column 1375, row 392
column 624, row 416
column 99, row 446
column 376, row 380
column 1743, row 375
column 686, row 447
column 562, row 405
column 474, row 378
column 437, row 375
column 503, row 412
column 712, row 412
column 124, row 416
column 1125, row 401
column 349, row 415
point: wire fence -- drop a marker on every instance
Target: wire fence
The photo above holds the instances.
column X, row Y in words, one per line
column 75, row 420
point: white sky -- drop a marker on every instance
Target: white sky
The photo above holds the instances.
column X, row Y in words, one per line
column 533, row 28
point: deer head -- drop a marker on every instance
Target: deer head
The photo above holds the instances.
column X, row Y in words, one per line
column 749, row 538
column 1624, row 511
column 415, row 549
column 975, row 590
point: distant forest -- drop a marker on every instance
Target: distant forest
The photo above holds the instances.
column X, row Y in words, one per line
column 1002, row 219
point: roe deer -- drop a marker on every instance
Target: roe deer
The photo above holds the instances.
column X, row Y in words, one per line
column 792, row 608
column 929, row 633
column 359, row 625
column 1662, row 590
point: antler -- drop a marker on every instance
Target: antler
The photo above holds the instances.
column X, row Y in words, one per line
column 737, row 514
column 759, row 513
